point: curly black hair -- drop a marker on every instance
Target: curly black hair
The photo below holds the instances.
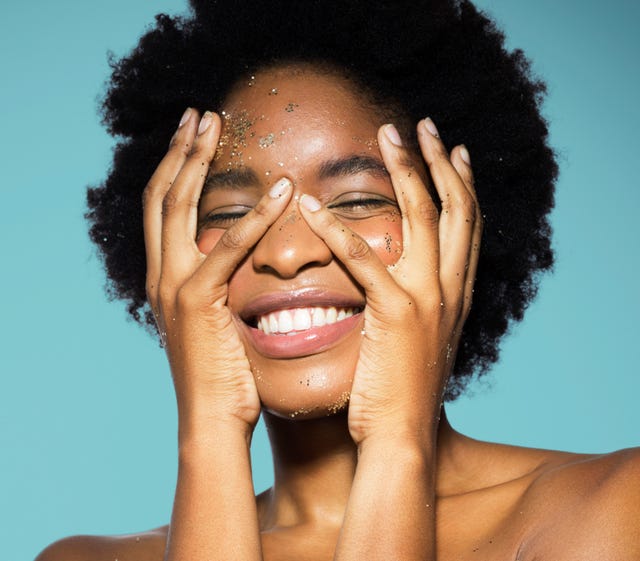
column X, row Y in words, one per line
column 441, row 58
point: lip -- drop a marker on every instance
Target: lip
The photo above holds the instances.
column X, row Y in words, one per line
column 303, row 298
column 303, row 343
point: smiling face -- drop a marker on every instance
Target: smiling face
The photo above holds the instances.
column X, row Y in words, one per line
column 297, row 309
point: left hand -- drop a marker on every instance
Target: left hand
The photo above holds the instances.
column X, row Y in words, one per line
column 416, row 308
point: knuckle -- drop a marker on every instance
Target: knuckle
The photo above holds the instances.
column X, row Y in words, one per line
column 467, row 207
column 180, row 147
column 152, row 191
column 169, row 202
column 428, row 213
column 233, row 239
column 261, row 210
column 358, row 249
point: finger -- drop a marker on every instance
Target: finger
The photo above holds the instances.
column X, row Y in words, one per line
column 351, row 250
column 457, row 215
column 154, row 194
column 180, row 204
column 462, row 162
column 237, row 241
column 420, row 216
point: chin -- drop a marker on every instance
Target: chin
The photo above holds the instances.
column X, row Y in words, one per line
column 305, row 388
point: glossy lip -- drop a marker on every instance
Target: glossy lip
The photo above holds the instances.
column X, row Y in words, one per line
column 303, row 343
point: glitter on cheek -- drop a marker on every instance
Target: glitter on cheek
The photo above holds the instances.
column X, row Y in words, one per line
column 388, row 240
column 273, row 91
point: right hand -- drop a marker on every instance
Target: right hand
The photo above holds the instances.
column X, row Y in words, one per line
column 187, row 290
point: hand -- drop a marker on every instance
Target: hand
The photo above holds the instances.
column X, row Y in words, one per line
column 416, row 308
column 187, row 290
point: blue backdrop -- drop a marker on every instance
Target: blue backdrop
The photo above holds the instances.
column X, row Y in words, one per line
column 87, row 427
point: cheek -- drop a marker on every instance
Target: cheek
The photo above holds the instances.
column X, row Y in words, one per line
column 384, row 236
column 208, row 239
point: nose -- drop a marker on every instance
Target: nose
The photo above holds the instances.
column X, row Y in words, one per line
column 290, row 246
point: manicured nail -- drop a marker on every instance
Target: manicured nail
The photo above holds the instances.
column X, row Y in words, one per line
column 464, row 154
column 392, row 135
column 280, row 188
column 431, row 127
column 310, row 203
column 185, row 117
column 205, row 122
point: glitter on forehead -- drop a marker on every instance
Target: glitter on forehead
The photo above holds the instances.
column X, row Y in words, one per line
column 235, row 133
column 368, row 142
column 266, row 141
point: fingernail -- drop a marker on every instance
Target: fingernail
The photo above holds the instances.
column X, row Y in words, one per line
column 310, row 203
column 205, row 122
column 280, row 188
column 464, row 154
column 392, row 134
column 185, row 117
column 431, row 127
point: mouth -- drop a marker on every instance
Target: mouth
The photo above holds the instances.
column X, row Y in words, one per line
column 297, row 324
column 293, row 321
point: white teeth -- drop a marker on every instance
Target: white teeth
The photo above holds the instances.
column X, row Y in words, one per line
column 273, row 323
column 285, row 322
column 300, row 319
column 331, row 315
column 317, row 317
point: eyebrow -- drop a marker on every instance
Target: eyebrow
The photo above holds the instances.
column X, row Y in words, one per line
column 231, row 179
column 352, row 165
column 243, row 177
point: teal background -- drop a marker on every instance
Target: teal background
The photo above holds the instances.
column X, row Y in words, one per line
column 87, row 415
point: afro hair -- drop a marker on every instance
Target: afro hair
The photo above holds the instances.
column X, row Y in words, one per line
column 441, row 58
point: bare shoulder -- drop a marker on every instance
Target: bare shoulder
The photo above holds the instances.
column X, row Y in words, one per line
column 585, row 507
column 144, row 546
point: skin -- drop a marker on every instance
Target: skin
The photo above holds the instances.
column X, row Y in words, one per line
column 385, row 477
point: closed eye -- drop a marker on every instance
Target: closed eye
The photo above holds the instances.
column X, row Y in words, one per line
column 362, row 207
column 223, row 217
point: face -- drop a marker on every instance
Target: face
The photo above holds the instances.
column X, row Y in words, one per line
column 298, row 310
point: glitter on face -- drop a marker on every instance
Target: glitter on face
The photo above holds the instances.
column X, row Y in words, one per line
column 290, row 107
column 339, row 404
column 274, row 91
column 266, row 141
column 235, row 134
column 387, row 242
column 370, row 143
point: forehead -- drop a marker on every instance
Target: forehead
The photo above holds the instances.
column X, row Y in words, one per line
column 292, row 92
column 289, row 109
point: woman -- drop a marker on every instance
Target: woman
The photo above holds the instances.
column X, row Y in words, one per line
column 311, row 256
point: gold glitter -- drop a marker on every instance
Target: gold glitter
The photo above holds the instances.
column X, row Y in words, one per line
column 339, row 404
column 266, row 141
column 235, row 134
column 387, row 241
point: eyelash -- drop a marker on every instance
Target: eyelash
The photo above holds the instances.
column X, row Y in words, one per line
column 360, row 203
column 226, row 219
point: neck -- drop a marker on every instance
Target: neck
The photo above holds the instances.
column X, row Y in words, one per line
column 314, row 465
